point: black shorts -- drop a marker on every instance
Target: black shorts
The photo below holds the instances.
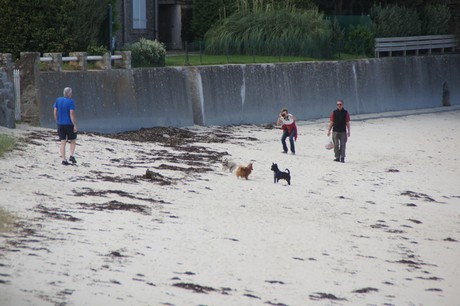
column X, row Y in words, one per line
column 66, row 132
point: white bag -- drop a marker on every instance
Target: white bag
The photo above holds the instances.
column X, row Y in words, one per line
column 329, row 145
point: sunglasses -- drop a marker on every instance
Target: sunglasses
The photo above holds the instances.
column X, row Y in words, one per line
column 339, row 104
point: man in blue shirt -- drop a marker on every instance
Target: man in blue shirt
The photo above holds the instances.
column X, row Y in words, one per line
column 64, row 114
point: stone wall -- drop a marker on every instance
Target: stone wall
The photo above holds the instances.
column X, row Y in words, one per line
column 7, row 101
column 30, row 88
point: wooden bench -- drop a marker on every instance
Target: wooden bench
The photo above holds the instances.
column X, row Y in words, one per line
column 415, row 43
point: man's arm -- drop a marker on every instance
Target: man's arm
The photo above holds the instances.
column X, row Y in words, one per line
column 55, row 114
column 74, row 120
column 331, row 123
column 348, row 124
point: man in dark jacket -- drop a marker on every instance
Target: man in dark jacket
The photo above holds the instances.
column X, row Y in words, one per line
column 340, row 125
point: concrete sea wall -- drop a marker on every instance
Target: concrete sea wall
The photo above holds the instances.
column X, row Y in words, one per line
column 129, row 99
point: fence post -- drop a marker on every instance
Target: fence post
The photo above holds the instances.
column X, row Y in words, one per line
column 201, row 53
column 30, row 71
column 56, row 61
column 81, row 63
column 187, row 62
column 106, row 61
column 125, row 62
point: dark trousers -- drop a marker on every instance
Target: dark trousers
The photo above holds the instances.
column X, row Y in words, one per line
column 291, row 140
column 340, row 144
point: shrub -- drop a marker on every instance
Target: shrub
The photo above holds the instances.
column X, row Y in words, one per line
column 147, row 53
column 395, row 21
column 96, row 50
column 435, row 19
column 206, row 13
column 359, row 40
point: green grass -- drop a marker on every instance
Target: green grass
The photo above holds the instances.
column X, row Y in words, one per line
column 6, row 144
column 197, row 59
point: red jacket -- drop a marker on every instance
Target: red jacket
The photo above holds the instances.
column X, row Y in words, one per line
column 290, row 127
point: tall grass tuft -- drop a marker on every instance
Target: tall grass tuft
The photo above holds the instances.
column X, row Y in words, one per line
column 6, row 144
column 267, row 29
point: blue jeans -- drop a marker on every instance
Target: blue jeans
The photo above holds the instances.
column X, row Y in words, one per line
column 291, row 140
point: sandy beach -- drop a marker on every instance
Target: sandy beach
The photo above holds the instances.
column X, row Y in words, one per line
column 150, row 218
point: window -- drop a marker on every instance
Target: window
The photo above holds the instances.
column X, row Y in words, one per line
column 139, row 14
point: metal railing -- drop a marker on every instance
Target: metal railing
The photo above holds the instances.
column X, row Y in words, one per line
column 74, row 58
column 79, row 60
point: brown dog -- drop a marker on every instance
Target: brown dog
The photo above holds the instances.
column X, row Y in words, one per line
column 243, row 171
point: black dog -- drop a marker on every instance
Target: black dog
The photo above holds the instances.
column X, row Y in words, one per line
column 279, row 175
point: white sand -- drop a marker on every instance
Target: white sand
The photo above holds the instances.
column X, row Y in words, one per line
column 387, row 222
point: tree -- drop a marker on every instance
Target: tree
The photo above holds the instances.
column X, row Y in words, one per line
column 206, row 12
column 51, row 25
column 363, row 7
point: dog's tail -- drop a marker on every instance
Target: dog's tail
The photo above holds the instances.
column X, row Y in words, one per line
column 288, row 171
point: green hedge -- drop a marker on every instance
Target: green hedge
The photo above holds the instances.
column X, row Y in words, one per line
column 398, row 21
column 359, row 40
column 435, row 19
column 52, row 25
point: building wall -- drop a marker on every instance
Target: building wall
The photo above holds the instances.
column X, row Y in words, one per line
column 169, row 24
column 125, row 18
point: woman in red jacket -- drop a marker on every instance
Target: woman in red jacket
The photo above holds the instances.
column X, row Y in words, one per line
column 289, row 129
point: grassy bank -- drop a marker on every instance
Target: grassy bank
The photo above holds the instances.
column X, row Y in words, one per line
column 6, row 144
column 196, row 59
